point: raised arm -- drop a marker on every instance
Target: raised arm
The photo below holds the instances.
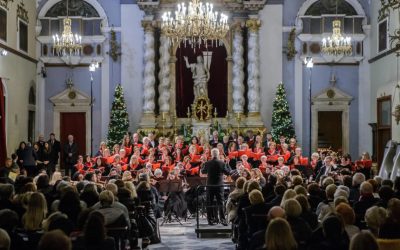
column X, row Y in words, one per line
column 187, row 62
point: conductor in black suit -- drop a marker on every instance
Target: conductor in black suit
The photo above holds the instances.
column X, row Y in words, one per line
column 215, row 170
column 70, row 151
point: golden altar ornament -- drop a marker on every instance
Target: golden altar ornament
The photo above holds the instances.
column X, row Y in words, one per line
column 202, row 108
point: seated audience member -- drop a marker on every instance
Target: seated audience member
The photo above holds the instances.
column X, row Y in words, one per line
column 390, row 229
column 9, row 221
column 5, row 241
column 349, row 218
column 306, row 214
column 233, row 198
column 358, row 178
column 71, row 205
column 300, row 228
column 89, row 194
column 35, row 213
column 331, row 237
column 363, row 241
column 279, row 236
column 6, row 196
column 374, row 218
column 289, row 194
column 366, row 201
column 385, row 194
column 256, row 213
column 55, row 240
column 314, row 196
column 94, row 233
column 111, row 213
column 327, row 206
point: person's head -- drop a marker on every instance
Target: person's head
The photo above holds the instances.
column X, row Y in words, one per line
column 292, row 208
column 280, row 190
column 327, row 181
column 256, row 197
column 5, row 241
column 276, row 212
column 300, row 190
column 303, row 201
column 279, row 235
column 253, row 185
column 55, row 240
column 94, row 230
column 347, row 213
column 6, row 191
column 9, row 220
column 374, row 218
column 22, row 145
column 297, row 180
column 70, row 138
column 113, row 188
column 388, row 183
column 393, row 210
column 332, row 227
column 314, row 189
column 129, row 186
column 42, row 181
column 358, row 178
column 366, row 188
column 106, row 198
column 363, row 241
column 330, row 191
column 240, row 182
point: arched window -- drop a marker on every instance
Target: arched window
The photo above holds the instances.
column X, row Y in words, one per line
column 32, row 96
column 76, row 8
column 325, row 7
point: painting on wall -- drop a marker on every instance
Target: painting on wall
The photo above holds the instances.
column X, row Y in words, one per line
column 383, row 35
column 3, row 24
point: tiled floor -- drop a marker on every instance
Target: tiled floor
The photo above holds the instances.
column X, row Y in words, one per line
column 175, row 236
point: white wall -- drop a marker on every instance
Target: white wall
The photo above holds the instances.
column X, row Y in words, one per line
column 132, row 37
column 270, row 57
column 21, row 75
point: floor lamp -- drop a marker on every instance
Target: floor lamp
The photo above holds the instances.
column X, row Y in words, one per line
column 308, row 61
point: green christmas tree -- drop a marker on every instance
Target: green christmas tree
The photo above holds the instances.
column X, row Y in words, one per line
column 281, row 119
column 119, row 122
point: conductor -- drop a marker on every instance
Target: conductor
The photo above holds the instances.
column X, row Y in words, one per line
column 215, row 169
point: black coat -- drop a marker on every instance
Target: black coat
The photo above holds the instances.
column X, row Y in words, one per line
column 70, row 149
column 28, row 156
column 215, row 170
column 55, row 150
column 256, row 218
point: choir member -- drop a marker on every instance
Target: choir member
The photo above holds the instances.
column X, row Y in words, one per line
column 127, row 145
column 215, row 140
column 135, row 140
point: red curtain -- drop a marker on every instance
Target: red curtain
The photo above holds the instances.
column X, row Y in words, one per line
column 217, row 86
column 3, row 146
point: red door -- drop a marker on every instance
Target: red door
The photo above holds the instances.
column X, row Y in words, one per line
column 74, row 124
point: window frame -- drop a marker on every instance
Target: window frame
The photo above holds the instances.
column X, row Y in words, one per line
column 19, row 20
column 386, row 19
column 6, row 11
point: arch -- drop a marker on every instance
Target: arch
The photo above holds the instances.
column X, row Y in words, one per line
column 50, row 3
column 307, row 4
column 32, row 96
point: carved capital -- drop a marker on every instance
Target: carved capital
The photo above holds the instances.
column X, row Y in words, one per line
column 237, row 26
column 148, row 26
column 253, row 25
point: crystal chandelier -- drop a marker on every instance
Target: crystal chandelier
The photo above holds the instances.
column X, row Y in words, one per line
column 68, row 44
column 337, row 44
column 195, row 24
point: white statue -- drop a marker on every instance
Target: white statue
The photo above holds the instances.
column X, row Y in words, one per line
column 200, row 75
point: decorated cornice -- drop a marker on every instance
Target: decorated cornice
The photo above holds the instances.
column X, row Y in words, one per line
column 22, row 12
column 148, row 25
column 4, row 3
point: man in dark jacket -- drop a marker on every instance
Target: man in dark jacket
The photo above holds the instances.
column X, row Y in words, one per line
column 70, row 151
column 55, row 148
column 215, row 170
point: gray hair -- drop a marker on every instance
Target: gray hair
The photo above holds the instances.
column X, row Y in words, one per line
column 215, row 152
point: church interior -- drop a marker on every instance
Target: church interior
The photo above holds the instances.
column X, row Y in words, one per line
column 202, row 124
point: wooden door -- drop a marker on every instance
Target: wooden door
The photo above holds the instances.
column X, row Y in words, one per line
column 384, row 126
column 74, row 124
column 330, row 130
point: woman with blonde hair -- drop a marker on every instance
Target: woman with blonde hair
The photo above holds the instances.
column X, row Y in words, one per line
column 257, row 175
column 289, row 194
column 56, row 176
column 129, row 185
column 35, row 213
column 279, row 236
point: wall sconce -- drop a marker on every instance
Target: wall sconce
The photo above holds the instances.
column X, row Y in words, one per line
column 3, row 52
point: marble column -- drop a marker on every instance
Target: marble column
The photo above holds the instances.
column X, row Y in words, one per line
column 253, row 70
column 238, row 70
column 148, row 119
column 163, row 75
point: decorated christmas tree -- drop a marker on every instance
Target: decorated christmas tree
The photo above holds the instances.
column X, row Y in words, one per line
column 281, row 118
column 119, row 122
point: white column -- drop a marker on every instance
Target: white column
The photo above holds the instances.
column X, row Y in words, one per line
column 105, row 89
column 253, row 71
column 149, row 67
column 238, row 70
column 40, row 101
column 163, row 75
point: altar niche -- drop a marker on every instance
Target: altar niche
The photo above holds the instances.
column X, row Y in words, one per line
column 217, row 85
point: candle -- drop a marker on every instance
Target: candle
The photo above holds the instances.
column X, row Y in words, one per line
column 163, row 115
column 215, row 110
column 227, row 114
column 188, row 110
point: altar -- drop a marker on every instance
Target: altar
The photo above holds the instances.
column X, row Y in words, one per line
column 213, row 85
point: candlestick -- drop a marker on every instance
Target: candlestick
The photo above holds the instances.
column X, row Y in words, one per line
column 163, row 116
column 227, row 114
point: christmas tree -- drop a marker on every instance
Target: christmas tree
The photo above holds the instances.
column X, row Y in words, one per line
column 119, row 122
column 281, row 119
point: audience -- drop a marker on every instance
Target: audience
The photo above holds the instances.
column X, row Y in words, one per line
column 279, row 236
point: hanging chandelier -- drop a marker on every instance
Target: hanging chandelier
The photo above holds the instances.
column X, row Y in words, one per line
column 337, row 44
column 68, row 44
column 195, row 24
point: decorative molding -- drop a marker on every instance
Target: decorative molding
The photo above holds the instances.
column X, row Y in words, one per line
column 4, row 3
column 18, row 53
column 253, row 24
column 22, row 12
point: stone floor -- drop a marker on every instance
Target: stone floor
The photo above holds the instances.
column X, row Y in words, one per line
column 175, row 236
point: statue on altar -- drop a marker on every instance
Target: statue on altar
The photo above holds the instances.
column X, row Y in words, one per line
column 200, row 75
